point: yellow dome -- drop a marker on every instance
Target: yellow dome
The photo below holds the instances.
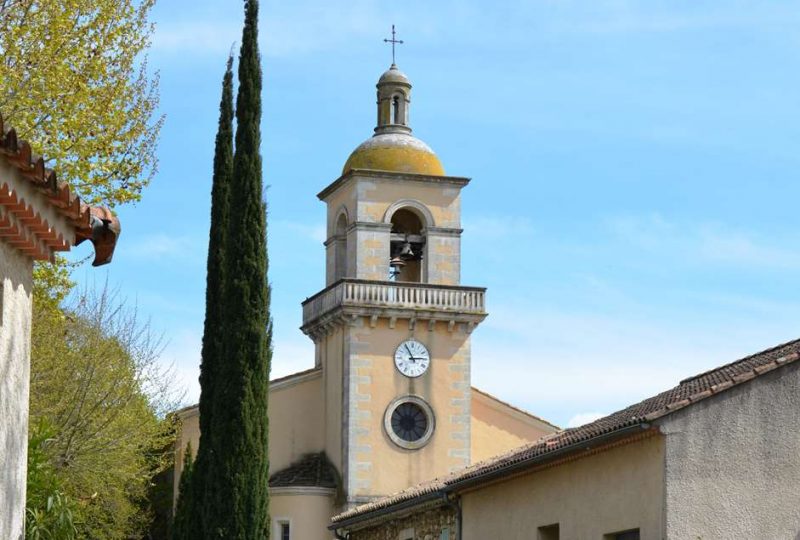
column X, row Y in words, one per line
column 395, row 152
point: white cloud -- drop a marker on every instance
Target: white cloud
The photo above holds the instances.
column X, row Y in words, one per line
column 286, row 29
column 160, row 245
column 584, row 418
column 498, row 227
column 706, row 242
column 558, row 364
column 313, row 232
column 183, row 354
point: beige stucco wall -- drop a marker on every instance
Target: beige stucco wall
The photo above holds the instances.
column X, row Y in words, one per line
column 614, row 490
column 295, row 423
column 330, row 352
column 308, row 512
column 497, row 427
column 733, row 463
column 376, row 466
column 15, row 331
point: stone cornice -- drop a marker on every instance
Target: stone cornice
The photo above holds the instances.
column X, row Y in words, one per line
column 444, row 231
column 457, row 181
column 303, row 490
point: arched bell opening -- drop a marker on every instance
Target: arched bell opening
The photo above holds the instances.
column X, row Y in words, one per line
column 406, row 246
column 340, row 247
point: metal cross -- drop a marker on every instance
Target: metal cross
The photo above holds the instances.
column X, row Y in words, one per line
column 393, row 41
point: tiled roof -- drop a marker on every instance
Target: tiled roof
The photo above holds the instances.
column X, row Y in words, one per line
column 24, row 228
column 688, row 392
column 312, row 470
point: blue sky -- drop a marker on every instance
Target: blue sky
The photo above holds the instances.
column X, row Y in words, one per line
column 634, row 204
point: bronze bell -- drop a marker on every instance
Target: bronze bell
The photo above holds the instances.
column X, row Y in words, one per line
column 405, row 252
column 397, row 262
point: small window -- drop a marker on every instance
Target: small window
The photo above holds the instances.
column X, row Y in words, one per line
column 286, row 533
column 445, row 534
column 632, row 534
column 396, row 110
column 549, row 532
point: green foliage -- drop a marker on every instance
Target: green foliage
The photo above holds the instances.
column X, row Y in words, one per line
column 50, row 513
column 181, row 527
column 211, row 352
column 74, row 82
column 96, row 382
column 236, row 504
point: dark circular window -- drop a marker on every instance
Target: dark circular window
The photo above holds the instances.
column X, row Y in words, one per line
column 409, row 422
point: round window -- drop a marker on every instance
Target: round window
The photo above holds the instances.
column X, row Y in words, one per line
column 409, row 422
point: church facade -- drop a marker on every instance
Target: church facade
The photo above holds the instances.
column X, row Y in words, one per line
column 389, row 402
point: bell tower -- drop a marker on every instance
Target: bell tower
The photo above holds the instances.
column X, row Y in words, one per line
column 392, row 327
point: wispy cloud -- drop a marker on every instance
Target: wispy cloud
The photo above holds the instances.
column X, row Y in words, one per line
column 706, row 242
column 497, row 227
column 561, row 362
column 160, row 245
column 289, row 29
column 584, row 418
column 294, row 229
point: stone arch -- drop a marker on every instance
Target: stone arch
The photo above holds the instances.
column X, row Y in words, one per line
column 413, row 205
column 409, row 220
column 340, row 226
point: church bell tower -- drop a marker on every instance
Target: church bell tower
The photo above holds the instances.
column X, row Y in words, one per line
column 392, row 326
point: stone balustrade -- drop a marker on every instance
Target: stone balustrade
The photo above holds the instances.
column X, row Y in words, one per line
column 390, row 295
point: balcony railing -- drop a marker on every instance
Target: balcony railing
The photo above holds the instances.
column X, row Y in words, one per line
column 351, row 292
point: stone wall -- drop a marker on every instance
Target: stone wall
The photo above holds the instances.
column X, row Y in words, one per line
column 434, row 524
column 15, row 332
column 733, row 462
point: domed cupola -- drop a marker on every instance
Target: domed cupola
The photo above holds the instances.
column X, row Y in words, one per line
column 393, row 147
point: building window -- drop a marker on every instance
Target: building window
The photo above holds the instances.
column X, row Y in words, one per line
column 445, row 534
column 549, row 532
column 406, row 534
column 396, row 110
column 284, row 530
column 632, row 534
column 409, row 422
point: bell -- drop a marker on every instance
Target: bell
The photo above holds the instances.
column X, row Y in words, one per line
column 406, row 252
column 397, row 262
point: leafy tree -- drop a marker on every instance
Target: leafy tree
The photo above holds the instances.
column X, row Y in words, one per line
column 50, row 513
column 236, row 489
column 74, row 81
column 96, row 382
column 181, row 527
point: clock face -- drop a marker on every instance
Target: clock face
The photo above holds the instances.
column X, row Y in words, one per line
column 412, row 358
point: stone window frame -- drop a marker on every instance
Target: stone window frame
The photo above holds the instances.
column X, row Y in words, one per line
column 427, row 409
column 279, row 523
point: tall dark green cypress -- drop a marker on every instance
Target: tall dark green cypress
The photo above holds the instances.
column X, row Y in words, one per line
column 238, row 487
column 181, row 525
column 212, row 348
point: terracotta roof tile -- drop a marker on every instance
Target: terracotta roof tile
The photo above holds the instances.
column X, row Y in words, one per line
column 95, row 224
column 312, row 470
column 689, row 391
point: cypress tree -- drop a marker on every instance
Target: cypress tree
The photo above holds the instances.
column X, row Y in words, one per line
column 239, row 481
column 212, row 347
column 182, row 523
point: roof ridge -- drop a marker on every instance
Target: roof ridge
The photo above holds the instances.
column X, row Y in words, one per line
column 743, row 359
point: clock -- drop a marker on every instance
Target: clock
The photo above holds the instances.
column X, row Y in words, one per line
column 412, row 358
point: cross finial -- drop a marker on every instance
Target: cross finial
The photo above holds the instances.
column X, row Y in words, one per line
column 393, row 41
